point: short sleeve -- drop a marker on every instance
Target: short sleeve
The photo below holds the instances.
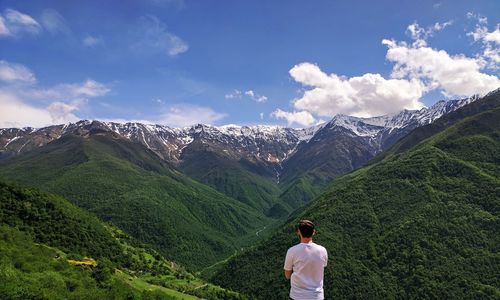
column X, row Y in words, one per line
column 288, row 261
column 325, row 258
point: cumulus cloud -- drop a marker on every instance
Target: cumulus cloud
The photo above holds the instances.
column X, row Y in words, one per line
column 16, row 113
column 366, row 95
column 35, row 106
column 482, row 34
column 237, row 94
column 455, row 75
column 302, row 118
column 53, row 22
column 155, row 38
column 61, row 112
column 183, row 115
column 38, row 107
column 14, row 23
column 11, row 72
column 418, row 69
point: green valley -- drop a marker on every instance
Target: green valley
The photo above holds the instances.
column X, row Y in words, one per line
column 233, row 179
column 129, row 186
column 54, row 250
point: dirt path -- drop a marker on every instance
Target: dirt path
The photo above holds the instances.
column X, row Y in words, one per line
column 259, row 231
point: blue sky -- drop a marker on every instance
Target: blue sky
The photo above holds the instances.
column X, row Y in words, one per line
column 296, row 63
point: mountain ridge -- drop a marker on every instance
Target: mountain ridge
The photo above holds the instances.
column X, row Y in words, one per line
column 275, row 169
column 176, row 139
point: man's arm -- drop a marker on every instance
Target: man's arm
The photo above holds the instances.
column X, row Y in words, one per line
column 288, row 267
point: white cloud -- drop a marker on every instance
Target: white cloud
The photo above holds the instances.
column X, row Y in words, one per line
column 261, row 99
column 302, row 118
column 490, row 41
column 236, row 94
column 256, row 97
column 420, row 34
column 90, row 88
column 61, row 112
column 11, row 72
column 455, row 75
column 155, row 38
column 261, row 115
column 250, row 93
column 418, row 69
column 122, row 120
column 30, row 105
column 478, row 17
column 53, row 22
column 37, row 107
column 440, row 26
column 87, row 89
column 366, row 95
column 185, row 115
column 91, row 41
column 3, row 27
column 16, row 113
column 14, row 23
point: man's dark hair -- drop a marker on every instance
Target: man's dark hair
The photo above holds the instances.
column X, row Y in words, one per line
column 306, row 228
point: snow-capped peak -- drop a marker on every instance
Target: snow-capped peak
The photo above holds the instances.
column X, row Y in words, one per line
column 269, row 143
column 371, row 127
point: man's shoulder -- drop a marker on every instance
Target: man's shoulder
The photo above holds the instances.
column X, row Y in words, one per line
column 294, row 248
column 319, row 247
column 302, row 246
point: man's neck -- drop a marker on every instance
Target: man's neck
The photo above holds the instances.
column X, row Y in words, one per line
column 306, row 240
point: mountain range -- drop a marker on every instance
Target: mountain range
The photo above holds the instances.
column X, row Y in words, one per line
column 284, row 167
column 202, row 196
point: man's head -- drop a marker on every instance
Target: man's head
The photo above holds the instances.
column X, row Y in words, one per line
column 306, row 228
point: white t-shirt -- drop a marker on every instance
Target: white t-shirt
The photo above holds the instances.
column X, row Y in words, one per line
column 307, row 260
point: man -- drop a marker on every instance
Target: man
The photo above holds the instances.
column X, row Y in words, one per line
column 304, row 265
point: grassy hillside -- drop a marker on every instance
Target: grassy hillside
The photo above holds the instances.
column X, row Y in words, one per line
column 52, row 220
column 129, row 186
column 420, row 224
column 54, row 250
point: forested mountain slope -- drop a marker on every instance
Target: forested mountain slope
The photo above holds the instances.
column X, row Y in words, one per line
column 52, row 249
column 131, row 187
column 346, row 143
column 422, row 223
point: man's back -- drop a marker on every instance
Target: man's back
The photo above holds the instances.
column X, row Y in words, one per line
column 307, row 261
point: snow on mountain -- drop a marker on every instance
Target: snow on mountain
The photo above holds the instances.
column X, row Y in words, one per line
column 268, row 143
column 371, row 127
